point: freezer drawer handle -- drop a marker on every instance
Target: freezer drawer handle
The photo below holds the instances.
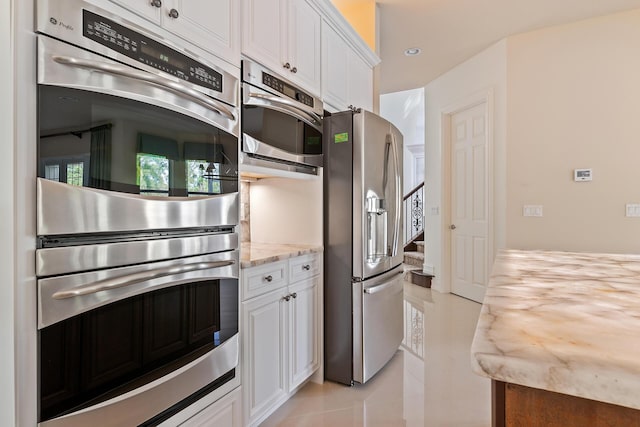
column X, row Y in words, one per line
column 306, row 267
column 132, row 279
column 268, row 278
column 379, row 288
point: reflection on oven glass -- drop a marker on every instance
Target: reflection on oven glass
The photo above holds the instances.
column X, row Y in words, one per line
column 107, row 351
column 111, row 143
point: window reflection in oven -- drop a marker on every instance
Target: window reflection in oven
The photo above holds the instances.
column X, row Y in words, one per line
column 110, row 350
column 112, row 143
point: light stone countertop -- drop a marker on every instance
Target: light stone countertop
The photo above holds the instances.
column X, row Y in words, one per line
column 253, row 254
column 563, row 322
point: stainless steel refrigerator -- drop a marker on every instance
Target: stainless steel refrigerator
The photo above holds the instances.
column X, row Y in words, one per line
column 363, row 320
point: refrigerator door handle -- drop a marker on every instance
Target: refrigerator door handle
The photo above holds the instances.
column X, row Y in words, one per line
column 379, row 288
column 398, row 197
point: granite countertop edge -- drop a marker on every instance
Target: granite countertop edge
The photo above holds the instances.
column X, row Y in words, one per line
column 253, row 254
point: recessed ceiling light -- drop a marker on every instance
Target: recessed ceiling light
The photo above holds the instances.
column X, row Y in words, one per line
column 412, row 51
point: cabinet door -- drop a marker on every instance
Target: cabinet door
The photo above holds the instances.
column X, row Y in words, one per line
column 360, row 83
column 304, row 45
column 264, row 351
column 264, row 32
column 212, row 25
column 146, row 8
column 303, row 330
column 335, row 57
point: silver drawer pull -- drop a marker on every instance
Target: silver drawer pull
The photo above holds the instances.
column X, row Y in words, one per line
column 295, row 295
column 268, row 278
column 306, row 267
column 287, row 298
column 173, row 13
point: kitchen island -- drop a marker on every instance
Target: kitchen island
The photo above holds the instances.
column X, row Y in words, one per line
column 559, row 335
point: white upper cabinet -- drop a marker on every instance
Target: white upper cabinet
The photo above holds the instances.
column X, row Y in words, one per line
column 335, row 54
column 264, row 31
column 304, row 45
column 284, row 35
column 347, row 79
column 359, row 83
column 212, row 25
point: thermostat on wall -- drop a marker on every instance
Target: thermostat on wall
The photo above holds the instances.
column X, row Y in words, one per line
column 582, row 174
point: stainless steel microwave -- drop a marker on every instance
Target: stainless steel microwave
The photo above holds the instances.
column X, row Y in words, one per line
column 281, row 123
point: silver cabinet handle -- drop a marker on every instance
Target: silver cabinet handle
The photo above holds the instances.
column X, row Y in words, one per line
column 286, row 65
column 120, row 70
column 452, row 227
column 131, row 279
column 306, row 267
column 294, row 295
column 173, row 13
column 294, row 70
column 268, row 278
column 287, row 298
column 156, row 3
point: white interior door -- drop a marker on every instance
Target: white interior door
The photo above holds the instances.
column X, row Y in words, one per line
column 469, row 203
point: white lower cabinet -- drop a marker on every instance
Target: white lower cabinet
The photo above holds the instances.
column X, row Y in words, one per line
column 280, row 338
column 226, row 412
column 303, row 331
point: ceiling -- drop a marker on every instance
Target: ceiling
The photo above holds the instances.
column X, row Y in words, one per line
column 451, row 31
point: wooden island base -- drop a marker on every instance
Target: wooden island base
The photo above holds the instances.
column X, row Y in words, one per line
column 519, row 406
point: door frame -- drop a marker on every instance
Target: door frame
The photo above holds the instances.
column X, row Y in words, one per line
column 487, row 97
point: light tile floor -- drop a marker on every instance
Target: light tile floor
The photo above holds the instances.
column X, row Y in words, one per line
column 427, row 383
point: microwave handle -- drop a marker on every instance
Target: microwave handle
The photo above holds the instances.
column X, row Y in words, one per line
column 131, row 279
column 149, row 78
column 312, row 118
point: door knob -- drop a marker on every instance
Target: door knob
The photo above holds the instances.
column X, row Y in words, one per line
column 452, row 227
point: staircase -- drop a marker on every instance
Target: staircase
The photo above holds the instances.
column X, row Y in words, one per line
column 414, row 238
column 413, row 261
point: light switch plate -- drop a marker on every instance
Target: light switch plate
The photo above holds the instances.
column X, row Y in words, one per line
column 633, row 210
column 532, row 210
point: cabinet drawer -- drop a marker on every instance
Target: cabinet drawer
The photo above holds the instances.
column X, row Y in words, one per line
column 304, row 266
column 263, row 278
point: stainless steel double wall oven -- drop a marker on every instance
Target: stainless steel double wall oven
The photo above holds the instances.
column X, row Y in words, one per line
column 137, row 199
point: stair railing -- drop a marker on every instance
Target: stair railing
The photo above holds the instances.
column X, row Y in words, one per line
column 413, row 206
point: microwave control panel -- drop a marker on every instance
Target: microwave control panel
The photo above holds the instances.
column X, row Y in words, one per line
column 286, row 89
column 149, row 52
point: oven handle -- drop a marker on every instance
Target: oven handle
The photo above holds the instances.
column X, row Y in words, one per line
column 196, row 96
column 312, row 118
column 131, row 279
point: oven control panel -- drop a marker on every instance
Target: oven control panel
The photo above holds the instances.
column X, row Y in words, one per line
column 147, row 51
column 286, row 89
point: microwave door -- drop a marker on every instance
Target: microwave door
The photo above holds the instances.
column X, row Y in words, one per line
column 260, row 98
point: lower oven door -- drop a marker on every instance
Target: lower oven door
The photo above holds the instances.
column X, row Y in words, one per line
column 121, row 346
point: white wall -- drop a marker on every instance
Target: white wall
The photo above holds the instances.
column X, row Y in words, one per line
column 286, row 211
column 484, row 73
column 7, row 241
column 406, row 111
column 574, row 102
